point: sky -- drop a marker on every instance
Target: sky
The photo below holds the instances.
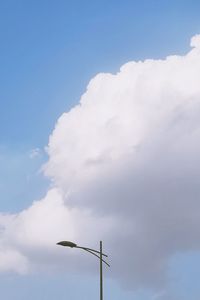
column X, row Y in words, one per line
column 100, row 140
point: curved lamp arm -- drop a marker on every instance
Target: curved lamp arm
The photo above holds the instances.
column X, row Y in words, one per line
column 92, row 251
column 94, row 255
column 86, row 248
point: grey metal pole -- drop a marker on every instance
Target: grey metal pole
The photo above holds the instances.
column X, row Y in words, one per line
column 101, row 273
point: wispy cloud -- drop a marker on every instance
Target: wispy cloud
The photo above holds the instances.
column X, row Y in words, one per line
column 34, row 153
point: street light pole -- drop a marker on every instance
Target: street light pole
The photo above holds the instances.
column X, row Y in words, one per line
column 101, row 273
column 96, row 253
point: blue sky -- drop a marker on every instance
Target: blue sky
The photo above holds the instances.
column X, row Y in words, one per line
column 49, row 50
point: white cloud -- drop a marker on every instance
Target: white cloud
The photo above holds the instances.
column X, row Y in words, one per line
column 124, row 166
column 12, row 261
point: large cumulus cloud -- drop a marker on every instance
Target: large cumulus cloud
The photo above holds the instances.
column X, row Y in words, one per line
column 124, row 167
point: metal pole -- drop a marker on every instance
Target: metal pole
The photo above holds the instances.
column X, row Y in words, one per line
column 101, row 273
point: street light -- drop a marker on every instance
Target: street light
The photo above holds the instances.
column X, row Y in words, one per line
column 96, row 253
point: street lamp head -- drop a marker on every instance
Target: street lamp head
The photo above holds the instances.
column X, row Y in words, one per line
column 67, row 244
